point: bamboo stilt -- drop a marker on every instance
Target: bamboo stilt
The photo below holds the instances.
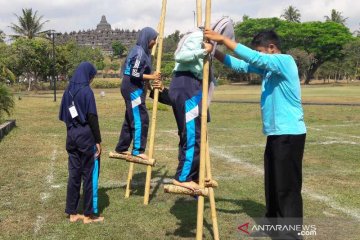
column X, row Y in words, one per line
column 129, row 179
column 132, row 159
column 205, row 87
column 211, row 183
column 170, row 188
column 211, row 195
column 155, row 104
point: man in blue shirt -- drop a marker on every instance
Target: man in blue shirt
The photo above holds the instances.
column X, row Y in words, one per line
column 282, row 118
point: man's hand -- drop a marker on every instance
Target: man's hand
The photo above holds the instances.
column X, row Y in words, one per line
column 214, row 36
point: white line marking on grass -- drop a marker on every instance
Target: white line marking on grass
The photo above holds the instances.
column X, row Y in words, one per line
column 169, row 131
column 40, row 220
column 353, row 212
column 337, row 133
column 44, row 196
column 335, row 125
column 233, row 159
column 239, row 146
column 166, row 149
column 335, row 142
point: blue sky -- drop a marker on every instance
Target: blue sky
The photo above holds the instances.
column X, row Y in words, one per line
column 74, row 15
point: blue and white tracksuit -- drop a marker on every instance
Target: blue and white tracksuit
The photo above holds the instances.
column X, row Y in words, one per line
column 185, row 93
column 136, row 122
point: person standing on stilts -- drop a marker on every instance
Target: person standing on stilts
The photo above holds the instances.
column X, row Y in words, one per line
column 185, row 93
column 136, row 71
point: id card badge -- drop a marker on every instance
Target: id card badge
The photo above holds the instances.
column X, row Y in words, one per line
column 73, row 111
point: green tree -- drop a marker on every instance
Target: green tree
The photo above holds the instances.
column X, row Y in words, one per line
column 351, row 59
column 291, row 14
column 2, row 36
column 167, row 65
column 6, row 75
column 245, row 17
column 336, row 16
column 118, row 48
column 324, row 40
column 32, row 59
column 303, row 60
column 170, row 42
column 29, row 24
column 6, row 101
column 70, row 55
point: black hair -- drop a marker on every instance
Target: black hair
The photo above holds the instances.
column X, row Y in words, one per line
column 264, row 38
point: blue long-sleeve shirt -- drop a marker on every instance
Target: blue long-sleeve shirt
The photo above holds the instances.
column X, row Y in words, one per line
column 281, row 107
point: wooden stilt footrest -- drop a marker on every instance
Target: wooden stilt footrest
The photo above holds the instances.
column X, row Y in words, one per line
column 131, row 158
column 211, row 183
column 170, row 188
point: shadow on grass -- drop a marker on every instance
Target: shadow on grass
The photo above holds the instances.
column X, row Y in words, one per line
column 249, row 207
column 104, row 201
column 139, row 179
column 185, row 210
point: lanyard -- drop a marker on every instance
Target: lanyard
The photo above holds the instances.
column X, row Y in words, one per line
column 73, row 96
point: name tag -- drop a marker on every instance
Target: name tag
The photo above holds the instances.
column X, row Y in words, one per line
column 73, row 111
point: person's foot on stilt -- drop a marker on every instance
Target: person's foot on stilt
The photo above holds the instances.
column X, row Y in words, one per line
column 93, row 219
column 189, row 185
column 207, row 180
column 75, row 217
column 142, row 156
column 124, row 152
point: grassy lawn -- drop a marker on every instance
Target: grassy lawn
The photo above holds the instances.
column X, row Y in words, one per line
column 33, row 175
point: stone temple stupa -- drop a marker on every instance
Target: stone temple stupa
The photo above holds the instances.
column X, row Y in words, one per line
column 103, row 36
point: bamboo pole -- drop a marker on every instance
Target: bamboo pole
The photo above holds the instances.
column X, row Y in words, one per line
column 132, row 159
column 155, row 103
column 153, row 50
column 128, row 183
column 211, row 195
column 205, row 89
column 198, row 13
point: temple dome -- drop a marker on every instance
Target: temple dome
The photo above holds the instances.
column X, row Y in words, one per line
column 103, row 25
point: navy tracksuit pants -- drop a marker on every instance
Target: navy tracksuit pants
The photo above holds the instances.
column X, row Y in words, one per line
column 82, row 165
column 136, row 122
column 185, row 93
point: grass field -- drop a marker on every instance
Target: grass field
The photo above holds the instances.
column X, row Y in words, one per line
column 33, row 171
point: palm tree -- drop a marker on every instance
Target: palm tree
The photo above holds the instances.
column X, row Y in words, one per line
column 336, row 17
column 291, row 14
column 29, row 24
